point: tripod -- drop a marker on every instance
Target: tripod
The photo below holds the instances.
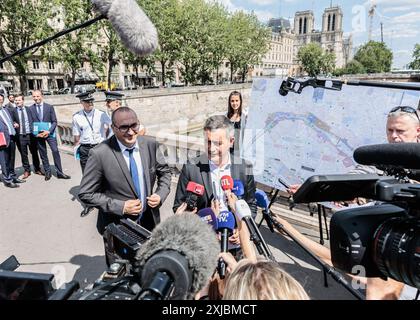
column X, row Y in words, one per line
column 327, row 269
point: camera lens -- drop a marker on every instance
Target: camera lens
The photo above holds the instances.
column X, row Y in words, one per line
column 397, row 250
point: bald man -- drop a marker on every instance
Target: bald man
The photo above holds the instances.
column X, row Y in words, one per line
column 121, row 172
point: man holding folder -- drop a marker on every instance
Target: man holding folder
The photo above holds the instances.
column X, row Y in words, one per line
column 46, row 121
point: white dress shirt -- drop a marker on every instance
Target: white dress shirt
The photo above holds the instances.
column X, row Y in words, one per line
column 137, row 158
column 82, row 122
column 216, row 175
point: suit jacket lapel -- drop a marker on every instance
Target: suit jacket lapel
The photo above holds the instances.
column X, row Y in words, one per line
column 123, row 165
column 145, row 164
column 205, row 175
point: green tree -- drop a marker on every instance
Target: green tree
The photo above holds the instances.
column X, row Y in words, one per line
column 315, row 61
column 415, row 64
column 355, row 67
column 165, row 16
column 23, row 23
column 145, row 63
column 376, row 57
column 248, row 41
column 202, row 29
column 112, row 51
column 76, row 48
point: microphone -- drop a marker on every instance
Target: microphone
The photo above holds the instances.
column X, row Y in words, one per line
column 178, row 259
column 207, row 215
column 238, row 188
column 243, row 212
column 225, row 225
column 263, row 202
column 194, row 190
column 136, row 31
column 403, row 155
column 226, row 183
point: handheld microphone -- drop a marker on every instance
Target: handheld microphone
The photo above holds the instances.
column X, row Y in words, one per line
column 178, row 259
column 263, row 202
column 238, row 188
column 226, row 183
column 402, row 155
column 207, row 215
column 225, row 225
column 194, row 191
column 244, row 213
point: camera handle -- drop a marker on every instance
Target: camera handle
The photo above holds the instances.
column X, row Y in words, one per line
column 337, row 276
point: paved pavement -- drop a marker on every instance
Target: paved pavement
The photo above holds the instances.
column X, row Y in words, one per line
column 40, row 224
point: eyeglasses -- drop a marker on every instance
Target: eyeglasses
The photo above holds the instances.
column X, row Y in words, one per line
column 124, row 129
column 406, row 109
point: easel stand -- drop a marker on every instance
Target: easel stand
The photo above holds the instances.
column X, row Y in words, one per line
column 321, row 212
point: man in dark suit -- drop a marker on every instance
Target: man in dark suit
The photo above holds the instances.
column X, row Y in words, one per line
column 10, row 106
column 121, row 172
column 44, row 112
column 8, row 152
column 22, row 118
column 208, row 168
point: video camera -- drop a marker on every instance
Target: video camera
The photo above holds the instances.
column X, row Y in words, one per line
column 172, row 263
column 380, row 240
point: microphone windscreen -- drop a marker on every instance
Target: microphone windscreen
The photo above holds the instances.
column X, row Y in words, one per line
column 226, row 182
column 404, row 155
column 226, row 220
column 238, row 188
column 195, row 188
column 136, row 31
column 242, row 209
column 262, row 199
column 207, row 215
column 192, row 238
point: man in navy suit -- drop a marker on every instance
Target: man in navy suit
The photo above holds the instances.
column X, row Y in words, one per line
column 44, row 112
column 7, row 153
column 24, row 128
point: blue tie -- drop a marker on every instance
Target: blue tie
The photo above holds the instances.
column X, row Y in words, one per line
column 134, row 172
column 38, row 108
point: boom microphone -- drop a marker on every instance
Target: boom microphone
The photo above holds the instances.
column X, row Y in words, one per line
column 136, row 31
column 181, row 255
column 403, row 155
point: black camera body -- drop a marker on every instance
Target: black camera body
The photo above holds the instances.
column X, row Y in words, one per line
column 380, row 240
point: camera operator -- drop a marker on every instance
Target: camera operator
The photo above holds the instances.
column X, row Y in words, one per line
column 403, row 126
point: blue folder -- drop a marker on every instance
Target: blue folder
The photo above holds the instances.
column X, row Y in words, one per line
column 42, row 126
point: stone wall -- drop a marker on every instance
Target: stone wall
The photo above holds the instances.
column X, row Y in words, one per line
column 174, row 109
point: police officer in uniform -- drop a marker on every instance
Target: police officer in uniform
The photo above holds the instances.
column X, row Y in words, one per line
column 113, row 101
column 90, row 127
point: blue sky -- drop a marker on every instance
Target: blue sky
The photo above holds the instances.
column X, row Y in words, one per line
column 401, row 19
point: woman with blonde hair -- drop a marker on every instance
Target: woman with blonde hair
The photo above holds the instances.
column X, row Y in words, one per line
column 260, row 280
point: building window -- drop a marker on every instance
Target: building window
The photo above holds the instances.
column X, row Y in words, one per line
column 333, row 23
column 35, row 64
column 329, row 23
column 305, row 26
column 1, row 65
column 51, row 65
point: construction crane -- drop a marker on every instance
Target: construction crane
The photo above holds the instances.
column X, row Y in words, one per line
column 372, row 12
